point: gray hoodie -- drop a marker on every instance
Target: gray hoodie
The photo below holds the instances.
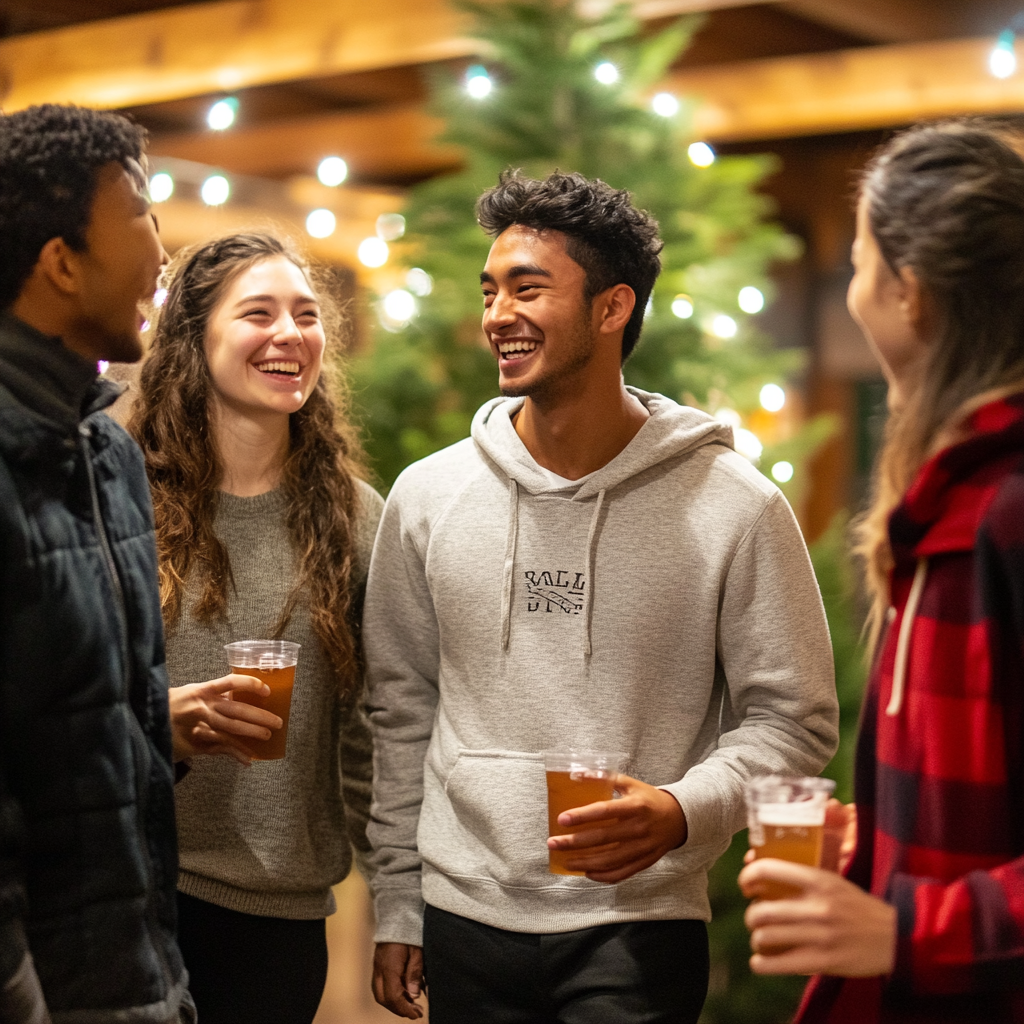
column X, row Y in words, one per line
column 665, row 607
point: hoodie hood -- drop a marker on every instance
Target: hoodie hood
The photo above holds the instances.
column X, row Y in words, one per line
column 671, row 430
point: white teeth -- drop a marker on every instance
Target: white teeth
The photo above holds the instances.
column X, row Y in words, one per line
column 278, row 367
column 508, row 347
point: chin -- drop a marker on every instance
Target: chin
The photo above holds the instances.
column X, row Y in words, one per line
column 125, row 347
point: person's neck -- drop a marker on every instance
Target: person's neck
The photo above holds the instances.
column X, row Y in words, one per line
column 252, row 450
column 44, row 310
column 580, row 428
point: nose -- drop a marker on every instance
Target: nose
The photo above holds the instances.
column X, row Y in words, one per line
column 500, row 313
column 288, row 332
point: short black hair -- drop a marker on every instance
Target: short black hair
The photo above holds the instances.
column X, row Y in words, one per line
column 49, row 159
column 613, row 241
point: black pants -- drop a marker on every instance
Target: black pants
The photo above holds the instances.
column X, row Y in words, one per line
column 245, row 969
column 644, row 972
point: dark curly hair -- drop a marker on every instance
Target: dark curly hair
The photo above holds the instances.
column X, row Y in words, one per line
column 49, row 157
column 613, row 241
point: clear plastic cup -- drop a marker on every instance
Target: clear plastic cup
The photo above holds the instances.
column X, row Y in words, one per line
column 576, row 778
column 272, row 661
column 786, row 819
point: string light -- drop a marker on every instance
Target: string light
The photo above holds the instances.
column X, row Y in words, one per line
column 682, row 307
column 1002, row 61
column 724, row 326
column 373, row 252
column 399, row 306
column 390, row 226
column 700, row 154
column 606, row 73
column 215, row 190
column 665, row 105
column 161, row 187
column 783, row 472
column 773, row 398
column 321, row 223
column 478, row 82
column 222, row 114
column 751, row 299
column 332, row 171
column 419, row 282
column 747, row 444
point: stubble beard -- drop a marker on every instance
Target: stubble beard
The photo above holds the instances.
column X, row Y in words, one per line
column 558, row 379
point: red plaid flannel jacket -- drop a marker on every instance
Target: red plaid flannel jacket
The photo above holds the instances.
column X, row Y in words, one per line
column 940, row 760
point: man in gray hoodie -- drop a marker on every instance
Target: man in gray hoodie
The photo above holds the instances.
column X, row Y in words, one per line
column 594, row 567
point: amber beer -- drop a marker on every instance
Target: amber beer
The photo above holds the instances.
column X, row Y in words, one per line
column 575, row 779
column 787, row 821
column 273, row 662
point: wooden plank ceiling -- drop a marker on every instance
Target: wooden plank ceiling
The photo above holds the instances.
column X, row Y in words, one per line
column 314, row 78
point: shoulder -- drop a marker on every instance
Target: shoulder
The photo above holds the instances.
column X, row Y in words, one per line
column 1003, row 522
column 369, row 507
column 438, row 477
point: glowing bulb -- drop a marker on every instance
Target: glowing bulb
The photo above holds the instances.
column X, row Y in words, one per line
column 419, row 282
column 478, row 82
column 399, row 306
column 606, row 73
column 783, row 472
column 747, row 444
column 1002, row 61
column 665, row 104
column 161, row 187
column 332, row 171
column 373, row 252
column 102, row 366
column 730, row 417
column 751, row 299
column 682, row 307
column 390, row 226
column 321, row 223
column 215, row 190
column 700, row 154
column 724, row 326
column 159, row 297
column 222, row 114
column 773, row 398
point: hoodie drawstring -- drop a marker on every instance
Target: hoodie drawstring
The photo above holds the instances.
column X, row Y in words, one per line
column 588, row 592
column 899, row 674
column 510, row 559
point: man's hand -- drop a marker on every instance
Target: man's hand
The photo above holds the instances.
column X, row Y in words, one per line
column 204, row 720
column 398, row 978
column 642, row 826
column 832, row 927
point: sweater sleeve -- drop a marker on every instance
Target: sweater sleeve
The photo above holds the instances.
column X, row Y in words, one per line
column 774, row 650
column 400, row 636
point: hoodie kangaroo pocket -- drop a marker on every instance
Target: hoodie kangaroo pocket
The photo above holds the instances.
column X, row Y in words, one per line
column 488, row 818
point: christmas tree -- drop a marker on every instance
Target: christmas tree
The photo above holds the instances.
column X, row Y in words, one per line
column 559, row 89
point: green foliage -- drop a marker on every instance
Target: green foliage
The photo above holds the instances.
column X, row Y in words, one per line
column 417, row 390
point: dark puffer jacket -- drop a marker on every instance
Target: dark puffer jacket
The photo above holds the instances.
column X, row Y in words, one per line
column 88, row 858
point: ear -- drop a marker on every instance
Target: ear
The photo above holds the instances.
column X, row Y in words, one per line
column 60, row 265
column 915, row 303
column 614, row 306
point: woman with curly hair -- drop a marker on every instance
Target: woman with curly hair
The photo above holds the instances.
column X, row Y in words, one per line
column 264, row 529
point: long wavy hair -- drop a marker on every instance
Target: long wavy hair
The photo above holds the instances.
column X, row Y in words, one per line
column 946, row 201
column 171, row 422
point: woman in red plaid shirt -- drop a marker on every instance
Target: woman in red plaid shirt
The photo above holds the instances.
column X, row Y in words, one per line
column 928, row 923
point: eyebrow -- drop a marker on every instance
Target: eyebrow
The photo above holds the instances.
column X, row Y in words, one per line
column 519, row 270
column 273, row 298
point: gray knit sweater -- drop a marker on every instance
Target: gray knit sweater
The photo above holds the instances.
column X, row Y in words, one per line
column 273, row 838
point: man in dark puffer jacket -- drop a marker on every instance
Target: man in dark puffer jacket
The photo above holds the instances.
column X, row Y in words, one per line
column 87, row 839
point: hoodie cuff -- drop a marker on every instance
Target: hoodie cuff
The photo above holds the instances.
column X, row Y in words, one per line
column 709, row 813
column 399, row 915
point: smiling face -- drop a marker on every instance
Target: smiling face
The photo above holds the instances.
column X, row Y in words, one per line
column 536, row 319
column 118, row 268
column 265, row 341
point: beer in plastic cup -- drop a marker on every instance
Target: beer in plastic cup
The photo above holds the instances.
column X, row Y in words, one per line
column 273, row 662
column 786, row 819
column 576, row 778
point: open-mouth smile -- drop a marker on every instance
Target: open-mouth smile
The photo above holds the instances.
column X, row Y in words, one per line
column 279, row 368
column 514, row 349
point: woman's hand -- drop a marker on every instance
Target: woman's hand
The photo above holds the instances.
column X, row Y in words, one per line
column 204, row 720
column 840, row 836
column 832, row 927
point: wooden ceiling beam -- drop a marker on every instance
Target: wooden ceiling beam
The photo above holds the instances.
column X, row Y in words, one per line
column 380, row 145
column 884, row 21
column 235, row 44
column 847, row 90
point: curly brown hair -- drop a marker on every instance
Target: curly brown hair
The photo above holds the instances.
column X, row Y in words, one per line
column 171, row 422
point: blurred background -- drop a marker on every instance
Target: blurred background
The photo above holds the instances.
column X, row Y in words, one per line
column 365, row 131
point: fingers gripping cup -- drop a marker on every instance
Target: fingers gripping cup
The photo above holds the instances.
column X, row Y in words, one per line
column 273, row 662
column 576, row 778
column 786, row 819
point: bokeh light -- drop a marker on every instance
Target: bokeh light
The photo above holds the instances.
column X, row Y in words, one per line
column 161, row 187
column 332, row 171
column 399, row 306
column 321, row 223
column 419, row 282
column 478, row 82
column 222, row 114
column 215, row 190
column 773, row 398
column 751, row 299
column 724, row 326
column 606, row 73
column 373, row 252
column 700, row 154
column 783, row 472
column 665, row 105
column 747, row 444
column 682, row 307
column 390, row 226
